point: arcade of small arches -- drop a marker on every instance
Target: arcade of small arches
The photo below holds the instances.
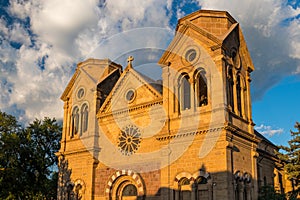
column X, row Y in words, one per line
column 196, row 186
column 236, row 87
column 75, row 191
column 192, row 90
column 126, row 184
column 242, row 185
column 79, row 120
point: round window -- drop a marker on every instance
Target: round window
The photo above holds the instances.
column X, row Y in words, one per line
column 191, row 55
column 129, row 140
column 130, row 95
column 80, row 93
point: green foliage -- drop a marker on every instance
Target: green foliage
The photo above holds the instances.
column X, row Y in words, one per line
column 268, row 192
column 291, row 156
column 27, row 160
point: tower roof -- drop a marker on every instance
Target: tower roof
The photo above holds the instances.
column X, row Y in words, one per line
column 213, row 21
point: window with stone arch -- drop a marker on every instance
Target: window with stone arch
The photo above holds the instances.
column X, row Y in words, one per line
column 184, row 89
column 229, row 87
column 200, row 88
column 184, row 181
column 78, row 191
column 239, row 94
column 184, row 188
column 242, row 186
column 201, row 180
column 129, row 190
column 75, row 121
column 84, row 118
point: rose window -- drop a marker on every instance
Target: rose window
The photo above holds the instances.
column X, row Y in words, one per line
column 129, row 140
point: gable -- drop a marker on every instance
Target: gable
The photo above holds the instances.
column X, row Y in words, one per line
column 213, row 21
column 89, row 73
column 132, row 89
column 235, row 39
column 189, row 35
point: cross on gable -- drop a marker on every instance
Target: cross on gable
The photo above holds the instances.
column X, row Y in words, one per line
column 129, row 61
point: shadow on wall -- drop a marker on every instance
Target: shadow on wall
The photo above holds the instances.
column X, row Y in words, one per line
column 199, row 186
column 65, row 190
column 207, row 186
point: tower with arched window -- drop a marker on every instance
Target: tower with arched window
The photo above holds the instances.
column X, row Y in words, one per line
column 189, row 135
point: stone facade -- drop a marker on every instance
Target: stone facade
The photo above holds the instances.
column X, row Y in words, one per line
column 189, row 136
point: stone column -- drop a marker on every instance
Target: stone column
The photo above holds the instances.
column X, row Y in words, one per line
column 193, row 93
column 249, row 107
column 243, row 97
column 235, row 102
column 66, row 126
column 194, row 191
column 254, row 177
column 177, row 191
column 241, row 189
column 248, row 189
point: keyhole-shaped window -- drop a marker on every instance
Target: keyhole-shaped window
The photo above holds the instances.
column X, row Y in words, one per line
column 75, row 121
column 84, row 118
column 184, row 92
column 200, row 88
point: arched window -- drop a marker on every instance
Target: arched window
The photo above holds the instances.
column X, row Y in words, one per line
column 184, row 188
column 129, row 190
column 239, row 94
column 75, row 121
column 84, row 118
column 202, row 188
column 201, row 180
column 184, row 181
column 242, row 186
column 184, row 92
column 230, row 88
column 200, row 87
column 78, row 191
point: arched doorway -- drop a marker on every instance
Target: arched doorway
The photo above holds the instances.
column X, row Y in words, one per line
column 125, row 185
column 127, row 191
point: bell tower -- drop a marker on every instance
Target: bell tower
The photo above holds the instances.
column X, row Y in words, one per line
column 207, row 68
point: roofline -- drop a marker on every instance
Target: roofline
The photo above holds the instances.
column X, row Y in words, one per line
column 105, row 61
column 200, row 13
column 262, row 137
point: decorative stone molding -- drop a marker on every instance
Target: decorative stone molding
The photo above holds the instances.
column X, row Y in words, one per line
column 128, row 175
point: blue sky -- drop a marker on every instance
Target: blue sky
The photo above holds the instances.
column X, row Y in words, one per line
column 41, row 41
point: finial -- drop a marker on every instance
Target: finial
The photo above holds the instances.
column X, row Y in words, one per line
column 129, row 61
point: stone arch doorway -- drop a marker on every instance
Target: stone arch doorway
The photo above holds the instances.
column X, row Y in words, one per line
column 125, row 185
column 127, row 191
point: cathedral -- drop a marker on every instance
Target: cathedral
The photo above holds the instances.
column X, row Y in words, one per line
column 189, row 135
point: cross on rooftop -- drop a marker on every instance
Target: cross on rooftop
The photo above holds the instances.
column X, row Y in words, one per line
column 129, row 60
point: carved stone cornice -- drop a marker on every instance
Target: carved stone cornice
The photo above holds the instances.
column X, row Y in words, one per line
column 187, row 133
column 242, row 133
column 130, row 109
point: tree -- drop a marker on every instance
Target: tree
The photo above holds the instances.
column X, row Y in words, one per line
column 10, row 172
column 27, row 160
column 43, row 142
column 268, row 192
column 290, row 156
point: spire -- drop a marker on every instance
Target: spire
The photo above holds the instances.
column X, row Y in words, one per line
column 129, row 61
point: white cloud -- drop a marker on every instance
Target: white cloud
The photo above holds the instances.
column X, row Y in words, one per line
column 65, row 32
column 60, row 34
column 268, row 130
column 272, row 39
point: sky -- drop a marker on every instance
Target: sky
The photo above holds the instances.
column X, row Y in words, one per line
column 41, row 41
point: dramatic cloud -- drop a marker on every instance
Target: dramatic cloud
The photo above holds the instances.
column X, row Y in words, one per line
column 268, row 130
column 271, row 30
column 41, row 41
